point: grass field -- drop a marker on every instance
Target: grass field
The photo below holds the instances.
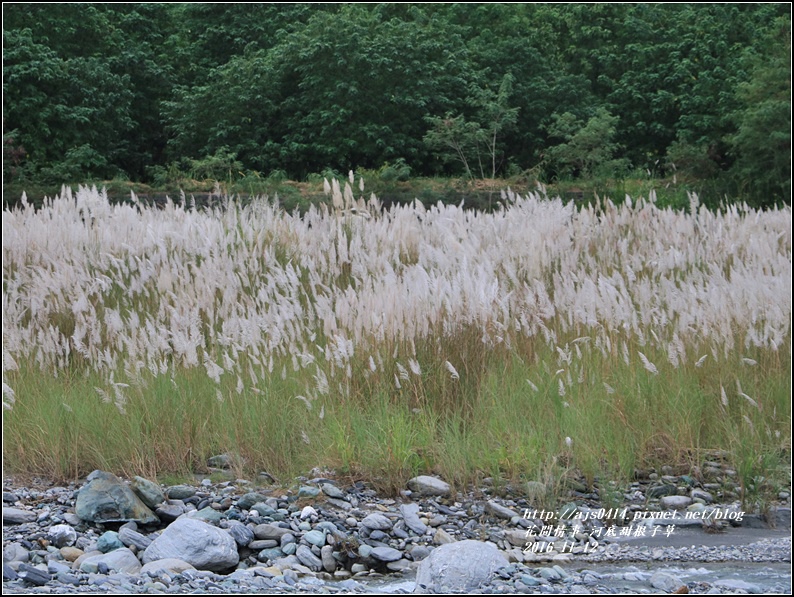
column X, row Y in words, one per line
column 540, row 341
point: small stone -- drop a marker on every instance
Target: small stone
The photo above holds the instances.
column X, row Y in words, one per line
column 271, row 554
column 15, row 552
column 332, row 491
column 269, row 571
column 419, row 553
column 377, row 521
column 170, row 512
column 62, row 535
column 8, row 572
column 327, row 558
column 492, row 507
column 68, row 579
column 258, row 544
column 308, row 559
column 516, row 538
column 437, row 521
column 315, row 538
column 241, row 534
column 386, row 554
column 17, row 516
column 400, row 565
column 286, row 539
column 550, row 574
column 33, row 575
column 410, row 513
column 379, row 536
column 71, row 518
column 108, row 542
column 70, row 554
column 661, row 491
column 269, row 531
column 441, row 537
column 209, row 515
column 341, row 504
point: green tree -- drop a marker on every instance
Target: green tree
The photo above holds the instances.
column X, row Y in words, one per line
column 669, row 71
column 455, row 138
column 82, row 85
column 587, row 148
column 497, row 117
column 346, row 89
column 519, row 41
column 761, row 144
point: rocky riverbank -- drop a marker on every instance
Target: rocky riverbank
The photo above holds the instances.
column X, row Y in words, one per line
column 322, row 536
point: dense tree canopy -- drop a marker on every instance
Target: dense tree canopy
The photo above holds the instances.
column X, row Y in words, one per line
column 103, row 90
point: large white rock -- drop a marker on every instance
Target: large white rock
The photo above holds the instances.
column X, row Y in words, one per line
column 459, row 566
column 426, row 485
column 675, row 502
column 200, row 544
column 668, row 583
column 118, row 560
column 62, row 535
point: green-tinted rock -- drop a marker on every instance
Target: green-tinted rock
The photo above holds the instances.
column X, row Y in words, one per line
column 661, row 491
column 307, row 491
column 109, row 541
column 105, row 498
column 270, row 554
column 149, row 492
column 263, row 509
column 333, row 491
column 180, row 492
column 249, row 499
column 568, row 511
column 207, row 515
column 315, row 538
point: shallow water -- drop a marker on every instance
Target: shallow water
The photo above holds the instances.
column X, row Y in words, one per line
column 635, row 578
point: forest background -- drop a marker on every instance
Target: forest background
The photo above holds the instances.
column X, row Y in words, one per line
column 252, row 95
